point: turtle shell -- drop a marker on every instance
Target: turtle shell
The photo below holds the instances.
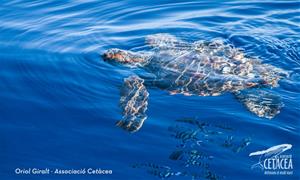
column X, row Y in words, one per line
column 209, row 69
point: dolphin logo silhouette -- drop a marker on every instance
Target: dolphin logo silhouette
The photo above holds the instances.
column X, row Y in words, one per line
column 269, row 153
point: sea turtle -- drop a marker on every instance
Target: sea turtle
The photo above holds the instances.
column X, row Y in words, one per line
column 203, row 68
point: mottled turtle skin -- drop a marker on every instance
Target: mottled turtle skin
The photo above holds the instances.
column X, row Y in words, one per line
column 200, row 68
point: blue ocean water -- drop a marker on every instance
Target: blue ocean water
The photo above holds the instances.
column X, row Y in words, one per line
column 59, row 100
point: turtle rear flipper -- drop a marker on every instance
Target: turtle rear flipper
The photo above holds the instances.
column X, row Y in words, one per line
column 134, row 102
column 260, row 102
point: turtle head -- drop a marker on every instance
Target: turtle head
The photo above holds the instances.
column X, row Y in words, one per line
column 115, row 55
column 122, row 56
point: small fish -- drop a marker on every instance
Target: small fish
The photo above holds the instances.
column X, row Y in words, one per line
column 184, row 134
column 176, row 155
column 228, row 142
column 243, row 145
column 211, row 176
column 191, row 158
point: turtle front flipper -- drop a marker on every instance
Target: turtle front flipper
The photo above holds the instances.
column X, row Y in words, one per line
column 261, row 102
column 134, row 102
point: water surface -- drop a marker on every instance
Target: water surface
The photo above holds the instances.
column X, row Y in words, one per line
column 59, row 100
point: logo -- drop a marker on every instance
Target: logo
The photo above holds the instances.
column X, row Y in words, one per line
column 274, row 160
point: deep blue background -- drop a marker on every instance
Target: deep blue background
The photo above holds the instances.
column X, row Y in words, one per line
column 59, row 100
